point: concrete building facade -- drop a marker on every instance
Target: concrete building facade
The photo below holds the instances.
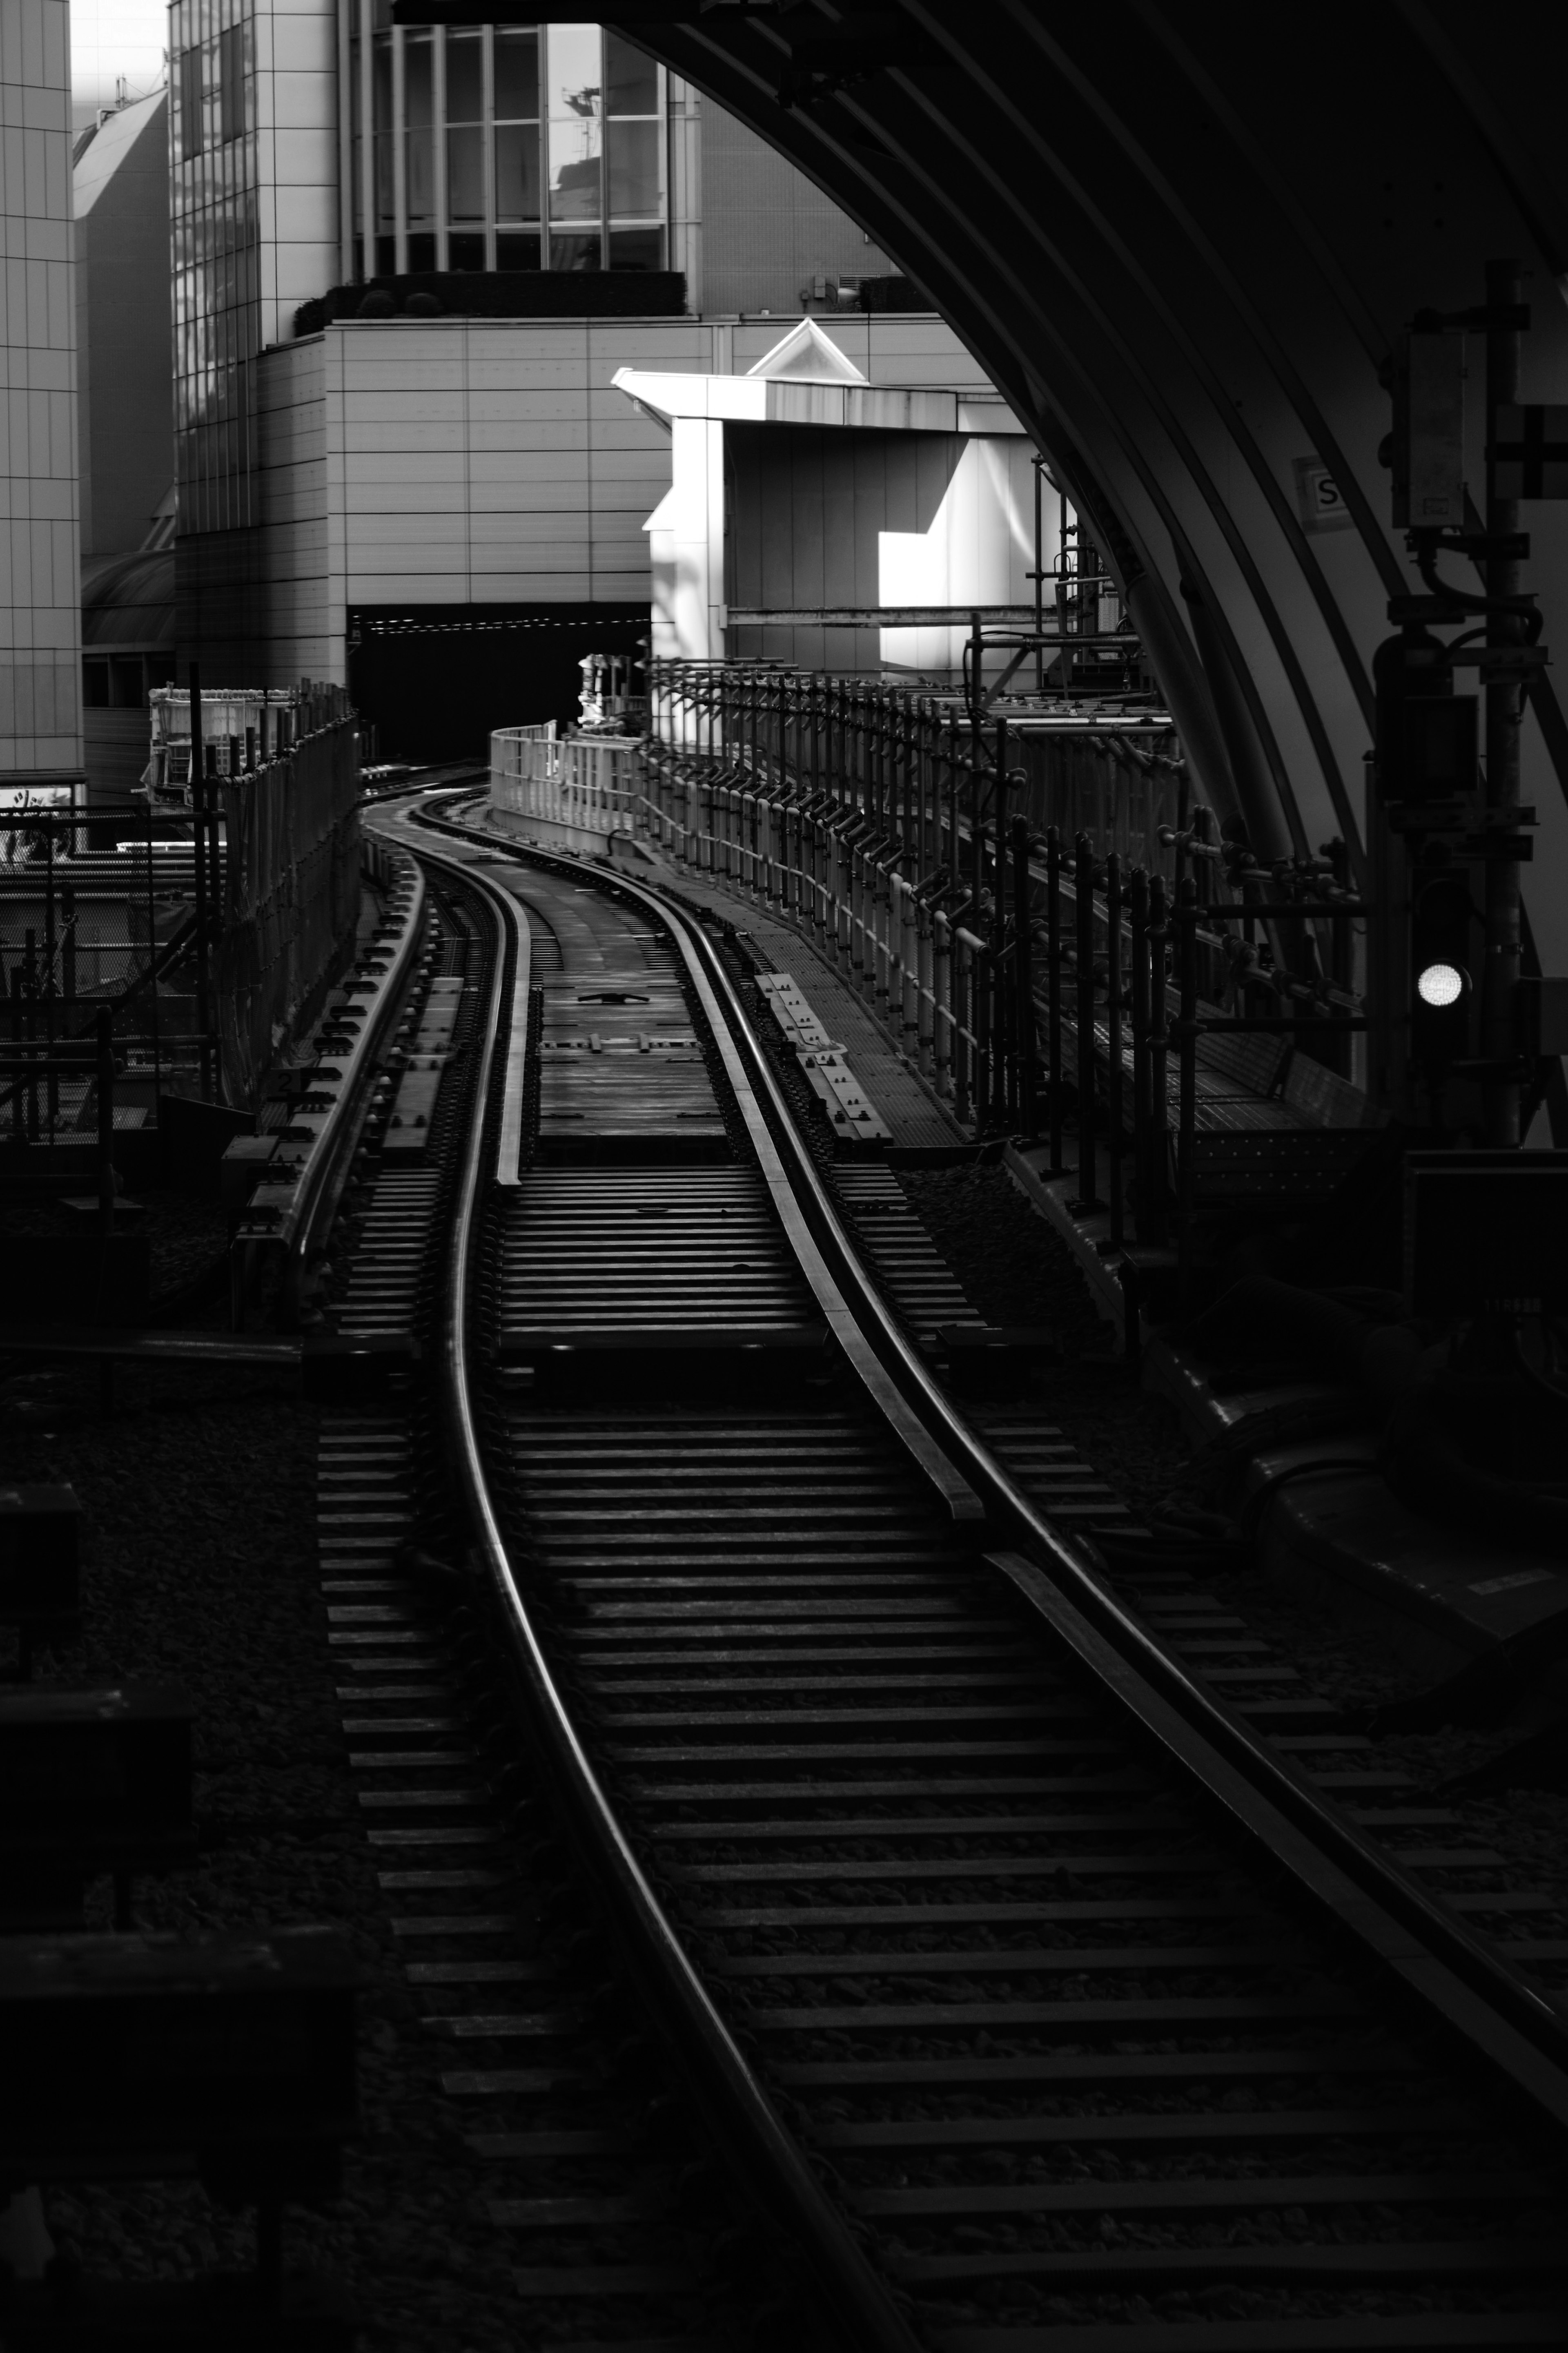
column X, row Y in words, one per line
column 409, row 263
column 40, row 613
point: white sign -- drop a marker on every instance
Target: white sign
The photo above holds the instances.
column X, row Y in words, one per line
column 1319, row 499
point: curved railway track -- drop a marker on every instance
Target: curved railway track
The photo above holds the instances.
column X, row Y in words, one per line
column 1036, row 1998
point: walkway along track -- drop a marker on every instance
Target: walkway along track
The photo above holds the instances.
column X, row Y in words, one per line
column 1040, row 2001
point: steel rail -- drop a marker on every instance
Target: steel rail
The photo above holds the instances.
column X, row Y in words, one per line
column 1463, row 1986
column 783, row 2182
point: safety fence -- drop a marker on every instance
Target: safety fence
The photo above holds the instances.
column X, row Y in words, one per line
column 1058, row 929
column 207, row 941
column 576, row 789
column 290, row 902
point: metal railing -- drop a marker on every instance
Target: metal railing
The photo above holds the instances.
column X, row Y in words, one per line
column 572, row 786
column 1018, row 899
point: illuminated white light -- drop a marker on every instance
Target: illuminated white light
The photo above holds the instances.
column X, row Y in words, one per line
column 1440, row 984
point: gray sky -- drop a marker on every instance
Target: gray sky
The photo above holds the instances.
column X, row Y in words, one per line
column 116, row 36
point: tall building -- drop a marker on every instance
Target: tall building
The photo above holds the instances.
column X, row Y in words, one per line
column 409, row 264
column 124, row 434
column 40, row 622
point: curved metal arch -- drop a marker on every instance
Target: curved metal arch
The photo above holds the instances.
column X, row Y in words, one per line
column 1226, row 117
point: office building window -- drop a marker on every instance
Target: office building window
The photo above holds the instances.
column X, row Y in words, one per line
column 214, row 235
column 190, row 104
column 516, row 189
column 465, row 150
column 231, row 83
column 523, row 147
column 419, row 149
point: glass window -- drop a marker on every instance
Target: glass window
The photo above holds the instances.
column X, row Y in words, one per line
column 575, row 128
column 421, row 251
column 465, row 78
column 191, row 103
column 231, row 83
column 517, row 250
column 95, row 682
column 575, row 251
column 633, row 169
column 517, row 171
column 383, row 93
column 516, row 76
column 419, row 106
column 631, row 79
column 125, row 685
column 465, row 249
column 636, row 248
column 465, row 174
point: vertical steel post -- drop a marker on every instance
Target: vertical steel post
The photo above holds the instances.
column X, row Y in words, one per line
column 1053, row 990
column 1024, row 976
column 1505, row 712
column 1138, row 906
column 976, row 764
column 1187, row 1036
column 104, row 1024
column 52, row 1089
column 198, row 799
column 1083, row 884
column 1113, row 1043
column 1158, row 1037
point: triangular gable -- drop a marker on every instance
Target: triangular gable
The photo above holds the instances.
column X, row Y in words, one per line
column 807, row 356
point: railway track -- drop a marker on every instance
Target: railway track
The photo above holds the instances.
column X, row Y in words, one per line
column 1037, row 1998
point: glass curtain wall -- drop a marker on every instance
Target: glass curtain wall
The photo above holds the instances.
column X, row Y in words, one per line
column 504, row 147
column 215, row 241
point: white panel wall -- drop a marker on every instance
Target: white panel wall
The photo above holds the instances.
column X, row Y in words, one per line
column 40, row 580
column 471, row 461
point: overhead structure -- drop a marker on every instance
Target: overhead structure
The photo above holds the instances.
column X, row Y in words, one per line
column 1184, row 244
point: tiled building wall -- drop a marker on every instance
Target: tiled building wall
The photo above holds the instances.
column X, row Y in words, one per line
column 767, row 231
column 40, row 616
column 466, row 462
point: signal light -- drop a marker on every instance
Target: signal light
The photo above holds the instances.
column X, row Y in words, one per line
column 1442, row 984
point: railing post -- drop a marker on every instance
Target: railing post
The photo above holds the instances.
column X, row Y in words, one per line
column 198, row 797
column 1024, row 978
column 1113, row 1043
column 104, row 1024
column 1159, row 1047
column 980, row 1023
column 1053, row 990
column 1083, row 881
column 1137, row 903
column 1187, row 1032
